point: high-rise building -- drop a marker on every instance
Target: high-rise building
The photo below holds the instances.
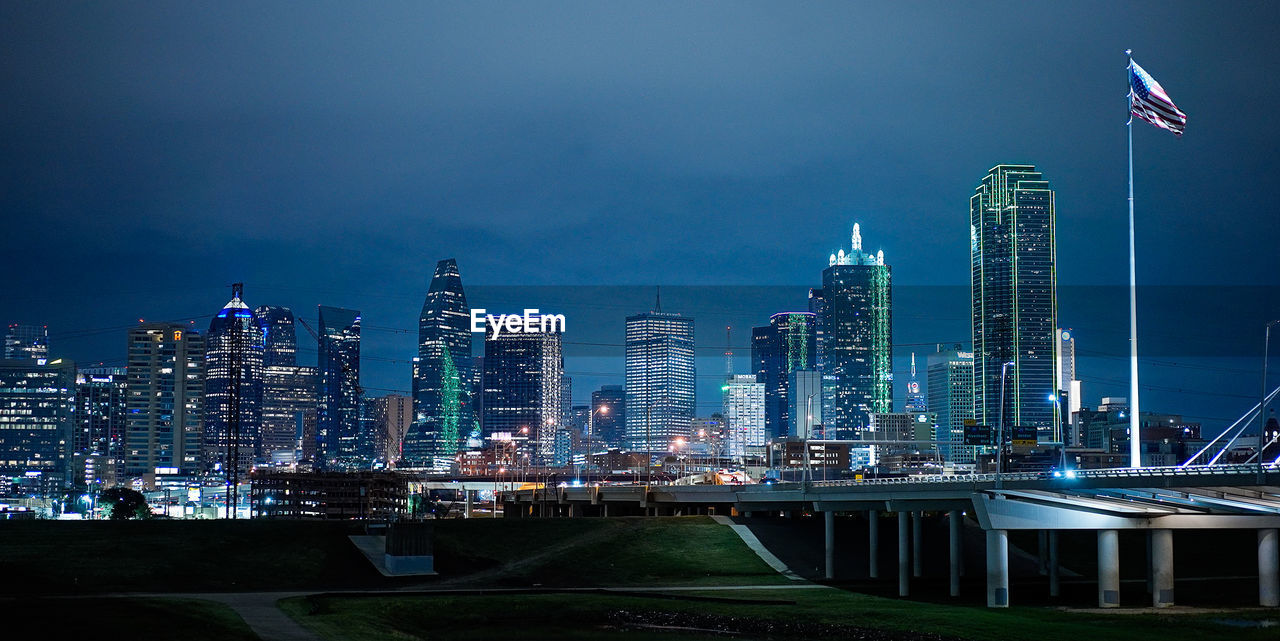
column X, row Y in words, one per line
column 950, row 386
column 744, row 415
column 522, row 373
column 387, row 420
column 233, row 387
column 443, row 411
column 608, row 424
column 26, row 342
column 787, row 344
column 857, row 346
column 288, row 389
column 1068, row 386
column 1014, row 304
column 101, row 396
column 804, row 403
column 338, row 389
column 916, row 399
column 165, row 422
column 37, row 407
column 660, row 379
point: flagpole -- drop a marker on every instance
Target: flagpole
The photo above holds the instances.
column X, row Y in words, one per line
column 1135, row 438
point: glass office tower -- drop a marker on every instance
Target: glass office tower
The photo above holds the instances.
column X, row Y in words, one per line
column 444, row 414
column 338, row 389
column 1014, row 299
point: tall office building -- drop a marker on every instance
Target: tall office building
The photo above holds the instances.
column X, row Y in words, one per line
column 26, row 342
column 787, row 344
column 522, row 375
column 387, row 420
column 916, row 401
column 101, row 396
column 950, row 387
column 443, row 411
column 856, row 301
column 744, row 415
column 37, row 408
column 608, row 423
column 1068, row 386
column 660, row 379
column 288, row 389
column 1014, row 305
column 165, row 403
column 233, row 387
column 338, row 389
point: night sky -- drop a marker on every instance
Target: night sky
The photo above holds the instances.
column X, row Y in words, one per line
column 331, row 153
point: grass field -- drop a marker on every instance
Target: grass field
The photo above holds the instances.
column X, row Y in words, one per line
column 826, row 613
column 85, row 557
column 108, row 618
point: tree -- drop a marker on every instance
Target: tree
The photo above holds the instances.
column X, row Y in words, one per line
column 121, row 503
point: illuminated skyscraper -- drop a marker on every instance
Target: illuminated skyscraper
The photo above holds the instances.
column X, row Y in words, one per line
column 744, row 415
column 950, row 386
column 660, row 379
column 29, row 342
column 857, row 341
column 233, row 386
column 37, row 408
column 1014, row 305
column 522, row 375
column 608, row 423
column 288, row 389
column 338, row 389
column 916, row 401
column 444, row 414
column 786, row 345
column 165, row 399
column 101, row 396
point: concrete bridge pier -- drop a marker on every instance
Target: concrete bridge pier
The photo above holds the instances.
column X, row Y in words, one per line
column 1161, row 568
column 873, row 544
column 467, row 502
column 917, row 546
column 829, row 536
column 1268, row 574
column 1053, row 563
column 1108, row 568
column 997, row 568
column 956, row 548
column 904, row 555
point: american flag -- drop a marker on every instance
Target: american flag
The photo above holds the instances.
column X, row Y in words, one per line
column 1148, row 101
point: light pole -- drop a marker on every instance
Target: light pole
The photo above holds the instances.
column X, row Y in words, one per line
column 1262, row 398
column 808, row 429
column 1004, row 370
column 591, row 427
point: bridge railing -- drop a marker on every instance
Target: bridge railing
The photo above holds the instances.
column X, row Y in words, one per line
column 1113, row 473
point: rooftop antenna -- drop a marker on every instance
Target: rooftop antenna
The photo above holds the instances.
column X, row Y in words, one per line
column 657, row 303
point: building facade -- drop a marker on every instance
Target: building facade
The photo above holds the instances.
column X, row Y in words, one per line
column 165, row 422
column 522, row 374
column 444, row 412
column 338, row 389
column 660, row 379
column 233, row 387
column 26, row 342
column 1014, row 299
column 608, row 425
column 100, row 427
column 857, row 346
column 786, row 345
column 288, row 389
column 744, row 416
column 37, row 415
column 950, row 388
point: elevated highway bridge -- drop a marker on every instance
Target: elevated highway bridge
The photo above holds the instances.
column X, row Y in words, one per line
column 1158, row 500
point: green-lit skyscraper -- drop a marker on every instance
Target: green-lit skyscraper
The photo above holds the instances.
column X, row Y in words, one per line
column 443, row 414
column 855, row 326
column 1014, row 299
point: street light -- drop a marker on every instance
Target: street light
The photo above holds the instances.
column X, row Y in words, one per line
column 591, row 427
column 808, row 428
column 1004, row 370
column 1262, row 399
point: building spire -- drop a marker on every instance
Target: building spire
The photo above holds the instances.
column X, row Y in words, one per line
column 657, row 302
column 237, row 291
column 857, row 238
column 913, row 365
